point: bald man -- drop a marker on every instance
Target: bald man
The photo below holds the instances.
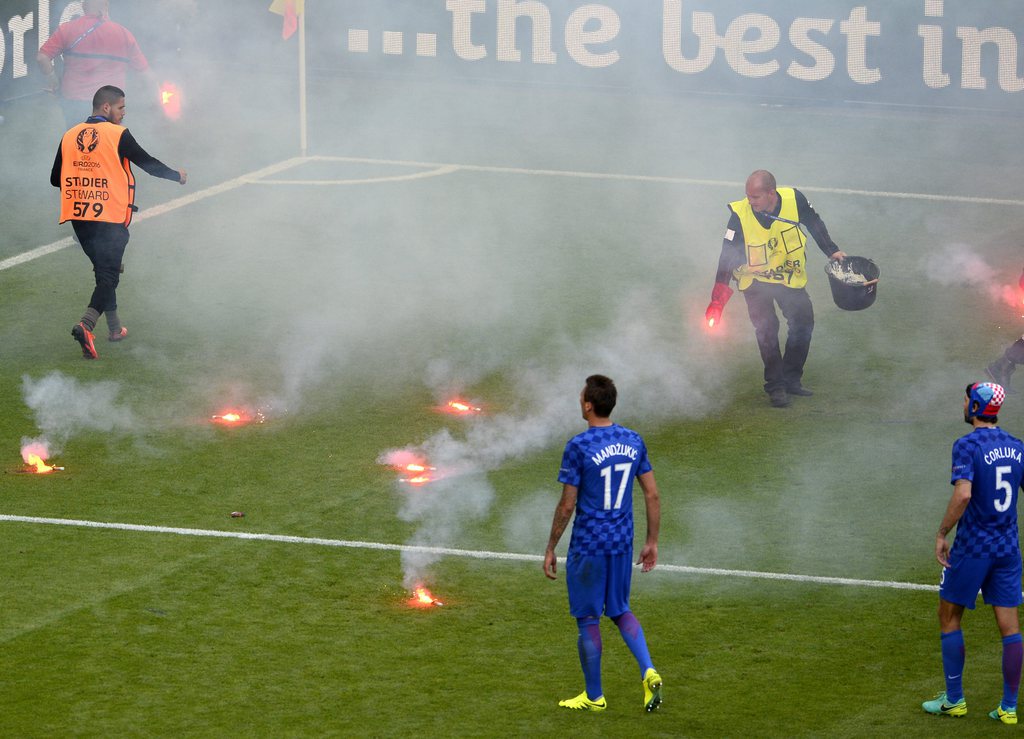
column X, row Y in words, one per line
column 96, row 52
column 763, row 251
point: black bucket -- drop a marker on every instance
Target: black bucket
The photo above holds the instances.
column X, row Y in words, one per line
column 854, row 282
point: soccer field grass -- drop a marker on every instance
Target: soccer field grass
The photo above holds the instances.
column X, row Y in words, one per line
column 347, row 296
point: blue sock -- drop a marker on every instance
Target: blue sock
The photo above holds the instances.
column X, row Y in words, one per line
column 953, row 664
column 633, row 635
column 589, row 645
column 1013, row 655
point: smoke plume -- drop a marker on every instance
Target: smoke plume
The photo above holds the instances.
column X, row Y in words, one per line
column 63, row 407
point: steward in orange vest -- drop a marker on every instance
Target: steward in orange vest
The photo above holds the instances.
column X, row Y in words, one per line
column 93, row 171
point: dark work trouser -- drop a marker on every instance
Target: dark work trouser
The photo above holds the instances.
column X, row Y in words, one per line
column 104, row 244
column 781, row 370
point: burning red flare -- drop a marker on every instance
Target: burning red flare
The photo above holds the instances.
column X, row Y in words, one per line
column 39, row 464
column 403, row 460
column 34, row 455
column 423, row 598
column 230, row 418
column 459, row 407
column 238, row 417
column 170, row 100
column 420, row 473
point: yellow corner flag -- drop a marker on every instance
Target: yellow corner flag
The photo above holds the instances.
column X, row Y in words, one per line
column 291, row 10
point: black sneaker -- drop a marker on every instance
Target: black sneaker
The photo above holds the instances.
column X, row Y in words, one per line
column 799, row 390
column 778, row 398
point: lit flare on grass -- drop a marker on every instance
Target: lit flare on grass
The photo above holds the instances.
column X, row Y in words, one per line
column 34, row 455
column 40, row 466
column 238, row 417
column 458, row 407
column 170, row 100
column 410, row 463
column 229, row 418
column 421, row 473
column 423, row 598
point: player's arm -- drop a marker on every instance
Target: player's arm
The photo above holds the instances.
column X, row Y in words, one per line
column 652, row 502
column 957, row 505
column 563, row 514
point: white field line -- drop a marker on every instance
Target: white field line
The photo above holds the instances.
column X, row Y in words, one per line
column 438, row 171
column 669, row 180
column 441, row 168
column 444, row 551
column 159, row 210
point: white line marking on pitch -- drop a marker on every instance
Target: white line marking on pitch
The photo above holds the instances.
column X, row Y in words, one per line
column 670, row 180
column 441, row 168
column 446, row 169
column 444, row 551
column 159, row 210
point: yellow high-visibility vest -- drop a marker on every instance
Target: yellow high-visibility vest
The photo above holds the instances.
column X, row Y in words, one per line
column 775, row 255
column 95, row 185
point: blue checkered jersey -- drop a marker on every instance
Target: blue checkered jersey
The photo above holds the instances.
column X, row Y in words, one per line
column 993, row 461
column 601, row 464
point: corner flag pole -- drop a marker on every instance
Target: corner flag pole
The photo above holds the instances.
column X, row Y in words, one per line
column 302, row 83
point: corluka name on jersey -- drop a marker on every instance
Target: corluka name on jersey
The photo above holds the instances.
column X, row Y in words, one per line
column 993, row 462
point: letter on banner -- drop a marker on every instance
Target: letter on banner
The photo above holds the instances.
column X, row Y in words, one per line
column 800, row 37
column 1005, row 41
column 857, row 28
column 672, row 39
column 577, row 39
column 737, row 47
column 462, row 28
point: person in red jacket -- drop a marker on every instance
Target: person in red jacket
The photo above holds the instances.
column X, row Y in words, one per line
column 96, row 51
column 97, row 187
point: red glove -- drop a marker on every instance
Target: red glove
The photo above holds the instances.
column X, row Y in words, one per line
column 1020, row 282
column 719, row 297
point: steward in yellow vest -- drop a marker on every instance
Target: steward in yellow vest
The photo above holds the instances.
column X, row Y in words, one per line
column 93, row 171
column 776, row 253
column 764, row 251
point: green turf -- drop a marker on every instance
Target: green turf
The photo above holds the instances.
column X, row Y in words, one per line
column 350, row 312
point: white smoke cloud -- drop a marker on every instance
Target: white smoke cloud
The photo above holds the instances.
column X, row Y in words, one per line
column 962, row 265
column 63, row 406
column 657, row 378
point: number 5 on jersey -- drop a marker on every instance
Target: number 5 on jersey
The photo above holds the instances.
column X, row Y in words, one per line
column 1001, row 505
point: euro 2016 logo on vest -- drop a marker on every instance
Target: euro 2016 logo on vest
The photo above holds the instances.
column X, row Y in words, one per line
column 88, row 139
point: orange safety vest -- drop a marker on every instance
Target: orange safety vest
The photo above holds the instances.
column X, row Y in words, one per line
column 94, row 184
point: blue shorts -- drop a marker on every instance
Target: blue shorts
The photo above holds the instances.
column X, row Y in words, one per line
column 599, row 584
column 997, row 579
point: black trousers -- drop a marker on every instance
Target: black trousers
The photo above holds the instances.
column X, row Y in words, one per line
column 104, row 244
column 781, row 370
